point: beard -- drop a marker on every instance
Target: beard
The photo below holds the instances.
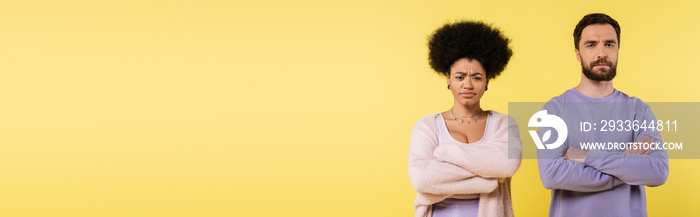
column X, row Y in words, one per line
column 604, row 75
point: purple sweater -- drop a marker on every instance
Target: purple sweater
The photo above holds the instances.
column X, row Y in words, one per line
column 610, row 182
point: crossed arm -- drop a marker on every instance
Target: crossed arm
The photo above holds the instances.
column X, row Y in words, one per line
column 462, row 169
column 638, row 165
column 573, row 169
column 431, row 176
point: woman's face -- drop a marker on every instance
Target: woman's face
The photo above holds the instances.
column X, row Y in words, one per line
column 467, row 81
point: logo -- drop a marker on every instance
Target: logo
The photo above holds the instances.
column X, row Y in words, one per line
column 542, row 119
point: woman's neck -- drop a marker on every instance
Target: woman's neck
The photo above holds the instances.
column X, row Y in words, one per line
column 467, row 110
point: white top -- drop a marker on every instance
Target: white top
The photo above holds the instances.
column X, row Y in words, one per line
column 451, row 207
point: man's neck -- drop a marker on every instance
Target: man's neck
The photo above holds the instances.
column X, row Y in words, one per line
column 595, row 89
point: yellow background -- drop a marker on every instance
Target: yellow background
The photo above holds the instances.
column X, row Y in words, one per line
column 283, row 108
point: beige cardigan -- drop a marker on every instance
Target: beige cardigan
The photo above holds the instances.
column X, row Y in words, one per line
column 452, row 170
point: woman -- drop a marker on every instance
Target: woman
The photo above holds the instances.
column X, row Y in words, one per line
column 459, row 159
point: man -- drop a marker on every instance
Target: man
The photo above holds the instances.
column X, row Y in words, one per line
column 600, row 181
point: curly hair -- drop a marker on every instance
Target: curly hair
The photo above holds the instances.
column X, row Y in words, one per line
column 474, row 40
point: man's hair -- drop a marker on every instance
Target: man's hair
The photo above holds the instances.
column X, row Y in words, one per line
column 473, row 40
column 595, row 18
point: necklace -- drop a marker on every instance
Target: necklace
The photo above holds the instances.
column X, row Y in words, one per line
column 469, row 120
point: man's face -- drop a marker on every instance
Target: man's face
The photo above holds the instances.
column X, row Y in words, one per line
column 598, row 52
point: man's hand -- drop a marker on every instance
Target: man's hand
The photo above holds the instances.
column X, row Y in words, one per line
column 640, row 149
column 576, row 155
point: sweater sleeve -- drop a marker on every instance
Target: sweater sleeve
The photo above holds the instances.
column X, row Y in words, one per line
column 491, row 158
column 634, row 169
column 430, row 176
column 558, row 173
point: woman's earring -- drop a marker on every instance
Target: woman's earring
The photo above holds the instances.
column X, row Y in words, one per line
column 448, row 86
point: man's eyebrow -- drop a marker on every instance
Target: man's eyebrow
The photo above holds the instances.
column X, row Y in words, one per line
column 610, row 41
column 460, row 73
column 590, row 42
